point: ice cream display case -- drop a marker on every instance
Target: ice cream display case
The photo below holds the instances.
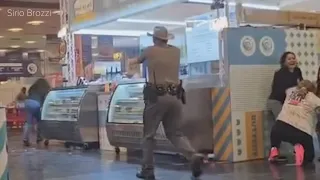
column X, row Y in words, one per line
column 71, row 115
column 125, row 118
column 125, row 124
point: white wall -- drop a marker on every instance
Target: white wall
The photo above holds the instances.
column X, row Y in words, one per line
column 10, row 89
column 301, row 5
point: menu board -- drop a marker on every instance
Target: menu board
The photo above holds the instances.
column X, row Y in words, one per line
column 86, row 54
column 203, row 44
column 202, row 36
column 105, row 48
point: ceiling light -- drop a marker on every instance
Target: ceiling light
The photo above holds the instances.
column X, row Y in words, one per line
column 35, row 23
column 152, row 22
column 30, row 42
column 40, row 50
column 15, row 29
column 56, row 12
column 15, row 46
column 44, row 37
column 1, row 37
column 62, row 32
column 250, row 5
column 111, row 32
column 3, row 50
column 95, row 54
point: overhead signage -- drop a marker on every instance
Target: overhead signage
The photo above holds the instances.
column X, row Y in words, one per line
column 105, row 11
column 34, row 56
column 275, row 17
column 18, row 69
column 83, row 10
column 13, row 56
column 304, row 17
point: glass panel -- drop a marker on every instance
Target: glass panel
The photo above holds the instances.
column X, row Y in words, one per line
column 62, row 105
column 127, row 104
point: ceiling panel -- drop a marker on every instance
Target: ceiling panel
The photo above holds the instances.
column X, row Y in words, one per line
column 38, row 1
column 262, row 2
column 21, row 41
column 18, row 18
column 131, row 26
column 303, row 5
column 46, row 4
column 175, row 12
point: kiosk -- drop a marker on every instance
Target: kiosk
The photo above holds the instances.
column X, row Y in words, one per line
column 247, row 58
column 124, row 123
column 71, row 115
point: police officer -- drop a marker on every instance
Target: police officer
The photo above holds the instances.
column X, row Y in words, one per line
column 163, row 102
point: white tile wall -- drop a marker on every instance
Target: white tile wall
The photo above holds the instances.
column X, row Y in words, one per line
column 250, row 86
column 304, row 44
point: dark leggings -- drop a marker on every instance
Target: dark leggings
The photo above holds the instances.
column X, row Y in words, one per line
column 283, row 132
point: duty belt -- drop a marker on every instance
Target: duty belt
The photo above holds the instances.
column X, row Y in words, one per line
column 161, row 89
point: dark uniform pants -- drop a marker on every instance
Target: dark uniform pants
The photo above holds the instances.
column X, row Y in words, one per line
column 168, row 110
column 283, row 132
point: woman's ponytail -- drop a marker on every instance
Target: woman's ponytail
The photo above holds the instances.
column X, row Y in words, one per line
column 304, row 87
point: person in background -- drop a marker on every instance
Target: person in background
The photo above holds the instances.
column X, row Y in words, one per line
column 286, row 77
column 296, row 123
column 36, row 96
column 21, row 97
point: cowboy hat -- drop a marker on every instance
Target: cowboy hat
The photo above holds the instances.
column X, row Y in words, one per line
column 161, row 32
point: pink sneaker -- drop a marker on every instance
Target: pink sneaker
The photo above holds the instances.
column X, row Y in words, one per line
column 273, row 154
column 299, row 153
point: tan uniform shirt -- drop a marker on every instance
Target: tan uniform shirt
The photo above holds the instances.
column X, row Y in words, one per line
column 163, row 64
column 300, row 113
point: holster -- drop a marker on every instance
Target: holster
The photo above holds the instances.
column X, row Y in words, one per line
column 181, row 94
column 150, row 93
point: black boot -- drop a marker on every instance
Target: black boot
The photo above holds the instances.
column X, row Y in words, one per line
column 146, row 174
column 39, row 140
column 196, row 166
column 26, row 143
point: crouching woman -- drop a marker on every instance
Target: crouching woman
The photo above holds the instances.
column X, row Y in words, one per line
column 296, row 123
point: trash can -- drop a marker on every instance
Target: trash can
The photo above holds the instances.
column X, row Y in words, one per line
column 4, row 174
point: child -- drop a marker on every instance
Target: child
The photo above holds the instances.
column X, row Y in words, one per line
column 296, row 123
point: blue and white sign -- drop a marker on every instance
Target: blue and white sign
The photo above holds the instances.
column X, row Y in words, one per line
column 18, row 69
column 202, row 39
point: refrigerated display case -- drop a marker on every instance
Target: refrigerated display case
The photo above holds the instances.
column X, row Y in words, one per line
column 125, row 123
column 125, row 118
column 71, row 115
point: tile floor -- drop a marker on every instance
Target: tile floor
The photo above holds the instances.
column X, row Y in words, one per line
column 57, row 163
